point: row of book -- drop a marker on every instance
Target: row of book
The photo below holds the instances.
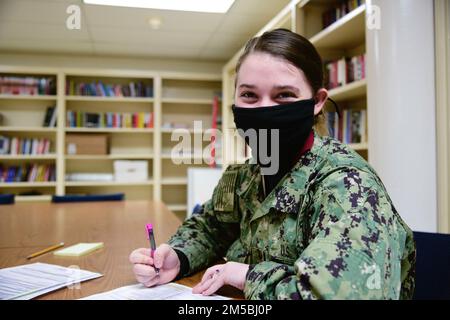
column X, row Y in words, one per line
column 344, row 71
column 28, row 146
column 133, row 89
column 80, row 119
column 27, row 85
column 28, row 173
column 351, row 127
column 339, row 11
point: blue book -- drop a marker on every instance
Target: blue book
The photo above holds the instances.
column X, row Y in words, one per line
column 93, row 89
column 101, row 86
column 149, row 91
column 109, row 90
column 11, row 173
column 89, row 198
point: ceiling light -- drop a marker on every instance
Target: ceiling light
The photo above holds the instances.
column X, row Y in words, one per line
column 154, row 22
column 214, row 6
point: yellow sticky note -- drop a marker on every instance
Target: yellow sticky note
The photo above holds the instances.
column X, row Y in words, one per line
column 79, row 249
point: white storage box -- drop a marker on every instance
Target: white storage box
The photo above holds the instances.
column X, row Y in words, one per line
column 130, row 171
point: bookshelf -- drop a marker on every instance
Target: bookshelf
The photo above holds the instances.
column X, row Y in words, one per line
column 28, row 157
column 186, row 115
column 345, row 37
column 109, row 99
column 43, row 97
column 174, row 100
column 109, row 130
column 23, row 105
column 27, row 184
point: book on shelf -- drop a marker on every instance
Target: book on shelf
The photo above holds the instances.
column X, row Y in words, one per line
column 339, row 10
column 344, row 71
column 50, row 117
column 24, row 146
column 28, row 173
column 26, row 85
column 137, row 120
column 92, row 120
column 351, row 127
column 4, row 145
column 100, row 89
column 89, row 177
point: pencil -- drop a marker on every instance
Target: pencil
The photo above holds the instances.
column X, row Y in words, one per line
column 56, row 246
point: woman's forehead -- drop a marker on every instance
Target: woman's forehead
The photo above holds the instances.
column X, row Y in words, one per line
column 264, row 69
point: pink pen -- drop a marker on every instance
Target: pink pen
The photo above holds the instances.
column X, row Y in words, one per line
column 151, row 238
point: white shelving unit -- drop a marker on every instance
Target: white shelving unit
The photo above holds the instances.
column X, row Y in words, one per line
column 27, row 184
column 184, row 101
column 22, row 117
column 177, row 98
column 27, row 129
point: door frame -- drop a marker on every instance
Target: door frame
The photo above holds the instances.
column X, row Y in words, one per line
column 442, row 45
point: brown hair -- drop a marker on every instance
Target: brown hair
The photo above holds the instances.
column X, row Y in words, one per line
column 297, row 50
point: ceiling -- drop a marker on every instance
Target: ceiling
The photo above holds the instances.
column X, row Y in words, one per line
column 40, row 26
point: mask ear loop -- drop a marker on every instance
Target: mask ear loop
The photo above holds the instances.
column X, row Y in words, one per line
column 338, row 110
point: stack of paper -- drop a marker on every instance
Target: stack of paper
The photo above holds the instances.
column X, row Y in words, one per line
column 32, row 280
column 170, row 291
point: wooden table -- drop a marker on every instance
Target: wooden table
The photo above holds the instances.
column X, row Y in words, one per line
column 26, row 228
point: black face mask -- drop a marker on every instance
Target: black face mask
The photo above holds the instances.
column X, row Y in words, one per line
column 294, row 122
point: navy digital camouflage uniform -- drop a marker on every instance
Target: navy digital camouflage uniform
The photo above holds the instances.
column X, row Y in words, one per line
column 328, row 230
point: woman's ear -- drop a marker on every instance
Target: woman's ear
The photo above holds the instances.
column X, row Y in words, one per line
column 320, row 99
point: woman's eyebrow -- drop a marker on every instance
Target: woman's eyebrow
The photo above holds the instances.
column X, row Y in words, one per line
column 294, row 89
column 248, row 86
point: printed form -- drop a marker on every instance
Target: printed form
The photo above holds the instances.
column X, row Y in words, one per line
column 170, row 291
column 31, row 280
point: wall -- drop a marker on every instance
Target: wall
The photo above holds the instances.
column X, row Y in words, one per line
column 79, row 61
column 402, row 107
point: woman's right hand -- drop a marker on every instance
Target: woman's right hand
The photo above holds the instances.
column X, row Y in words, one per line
column 165, row 258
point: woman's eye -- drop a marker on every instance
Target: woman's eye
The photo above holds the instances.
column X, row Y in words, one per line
column 247, row 95
column 285, row 95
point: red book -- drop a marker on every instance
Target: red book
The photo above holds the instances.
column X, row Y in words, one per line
column 215, row 110
column 341, row 128
column 117, row 91
column 47, row 173
column 47, row 146
column 40, row 147
column 134, row 120
column 149, row 123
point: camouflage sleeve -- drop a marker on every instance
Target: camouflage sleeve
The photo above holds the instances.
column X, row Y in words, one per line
column 205, row 237
column 355, row 246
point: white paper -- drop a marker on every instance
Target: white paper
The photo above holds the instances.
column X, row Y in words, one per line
column 32, row 280
column 170, row 291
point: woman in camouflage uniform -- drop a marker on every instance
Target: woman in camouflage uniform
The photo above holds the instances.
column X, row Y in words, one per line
column 322, row 227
